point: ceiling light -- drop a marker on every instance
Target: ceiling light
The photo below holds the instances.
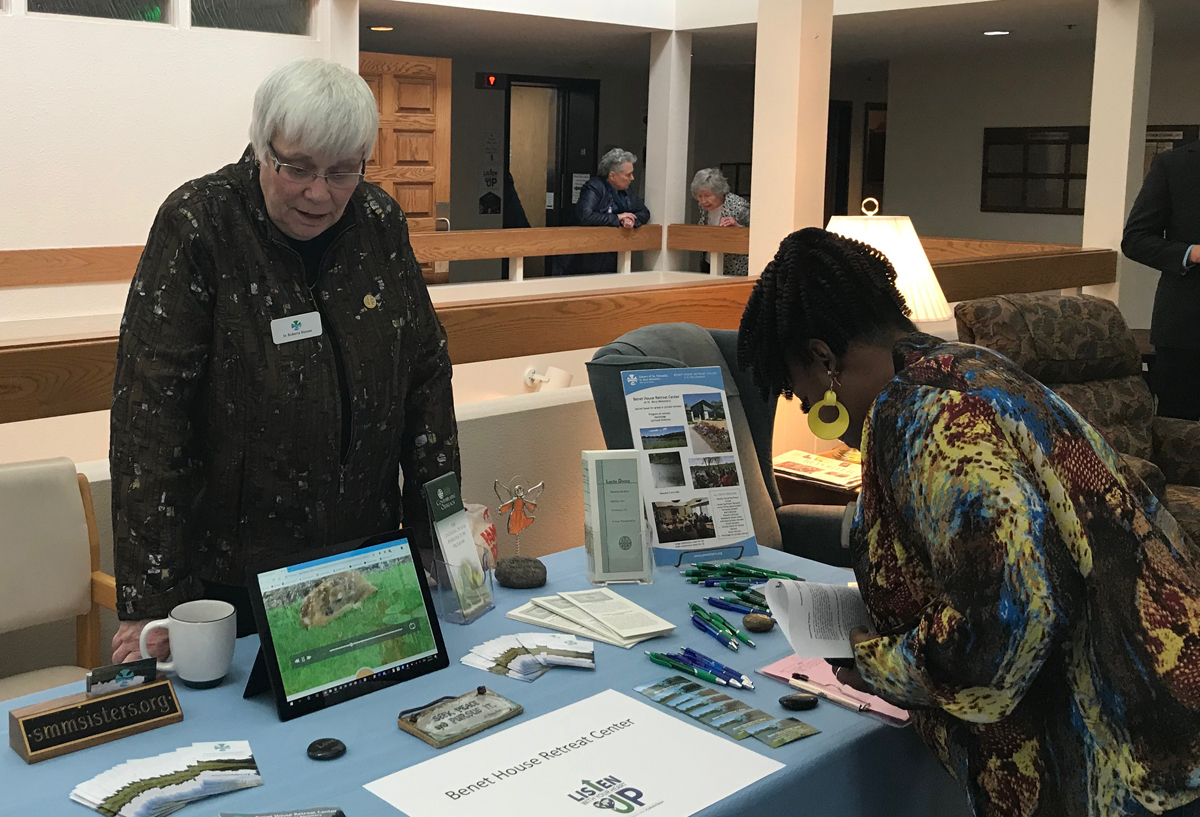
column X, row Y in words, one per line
column 996, row 33
column 389, row 28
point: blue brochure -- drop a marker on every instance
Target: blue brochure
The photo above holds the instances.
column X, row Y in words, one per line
column 694, row 494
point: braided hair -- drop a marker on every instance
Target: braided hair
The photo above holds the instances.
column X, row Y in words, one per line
column 819, row 285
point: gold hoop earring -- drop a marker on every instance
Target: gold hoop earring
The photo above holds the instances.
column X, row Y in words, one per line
column 820, row 428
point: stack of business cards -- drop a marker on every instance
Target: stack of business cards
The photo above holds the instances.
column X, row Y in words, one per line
column 717, row 710
column 528, row 656
column 598, row 615
column 163, row 784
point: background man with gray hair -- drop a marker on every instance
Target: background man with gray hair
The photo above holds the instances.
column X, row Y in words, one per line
column 280, row 363
column 607, row 200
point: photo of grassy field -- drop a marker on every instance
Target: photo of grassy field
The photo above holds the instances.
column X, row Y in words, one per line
column 665, row 437
column 397, row 600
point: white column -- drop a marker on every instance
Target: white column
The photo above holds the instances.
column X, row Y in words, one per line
column 667, row 137
column 1120, row 100
column 343, row 32
column 791, row 116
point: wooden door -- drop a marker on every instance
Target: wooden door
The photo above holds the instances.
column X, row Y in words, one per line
column 412, row 156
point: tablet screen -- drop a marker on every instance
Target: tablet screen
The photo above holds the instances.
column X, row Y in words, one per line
column 348, row 619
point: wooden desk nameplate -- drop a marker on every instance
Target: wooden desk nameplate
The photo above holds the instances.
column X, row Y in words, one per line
column 75, row 722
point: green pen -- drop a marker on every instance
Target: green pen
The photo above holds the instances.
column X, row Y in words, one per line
column 720, row 624
column 747, row 603
column 755, row 598
column 666, row 661
column 718, row 620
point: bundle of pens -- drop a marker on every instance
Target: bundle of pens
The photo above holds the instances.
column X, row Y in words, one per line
column 732, row 576
column 715, row 625
column 740, row 580
column 702, row 667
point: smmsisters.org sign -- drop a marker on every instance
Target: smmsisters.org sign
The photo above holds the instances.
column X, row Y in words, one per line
column 608, row 751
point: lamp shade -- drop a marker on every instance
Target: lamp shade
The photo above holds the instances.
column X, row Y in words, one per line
column 895, row 237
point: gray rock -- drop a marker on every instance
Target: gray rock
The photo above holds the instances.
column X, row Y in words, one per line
column 520, row 572
column 758, row 623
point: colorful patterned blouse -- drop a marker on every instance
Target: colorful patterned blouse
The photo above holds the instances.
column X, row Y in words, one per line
column 1039, row 609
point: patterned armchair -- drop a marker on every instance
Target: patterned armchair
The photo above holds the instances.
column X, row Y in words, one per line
column 1080, row 347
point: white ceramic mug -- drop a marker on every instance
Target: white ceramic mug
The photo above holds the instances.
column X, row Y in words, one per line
column 202, row 636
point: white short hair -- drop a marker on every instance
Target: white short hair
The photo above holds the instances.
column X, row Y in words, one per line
column 710, row 178
column 324, row 107
column 613, row 160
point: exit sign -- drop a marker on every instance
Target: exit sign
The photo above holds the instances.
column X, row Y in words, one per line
column 491, row 82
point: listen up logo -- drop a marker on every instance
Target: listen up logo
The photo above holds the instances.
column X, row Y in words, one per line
column 609, row 793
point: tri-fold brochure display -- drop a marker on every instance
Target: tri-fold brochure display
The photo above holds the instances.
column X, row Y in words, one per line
column 691, row 480
column 614, row 535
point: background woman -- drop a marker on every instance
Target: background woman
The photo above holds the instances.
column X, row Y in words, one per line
column 1037, row 608
column 721, row 208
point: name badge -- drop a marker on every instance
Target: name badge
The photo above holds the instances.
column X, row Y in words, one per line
column 297, row 327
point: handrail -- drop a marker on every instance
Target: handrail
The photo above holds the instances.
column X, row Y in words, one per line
column 966, row 267
column 57, row 377
column 466, row 245
column 90, row 265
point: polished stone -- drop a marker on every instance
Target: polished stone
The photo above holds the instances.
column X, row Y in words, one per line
column 798, row 702
column 758, row 623
column 326, row 749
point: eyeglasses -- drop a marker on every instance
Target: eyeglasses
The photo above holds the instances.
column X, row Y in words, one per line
column 302, row 175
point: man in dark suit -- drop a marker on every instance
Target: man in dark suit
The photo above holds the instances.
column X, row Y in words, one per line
column 1163, row 232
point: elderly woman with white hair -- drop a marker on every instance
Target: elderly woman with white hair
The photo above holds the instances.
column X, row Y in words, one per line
column 607, row 200
column 721, row 208
column 280, row 363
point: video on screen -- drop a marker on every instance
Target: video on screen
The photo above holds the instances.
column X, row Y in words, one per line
column 345, row 618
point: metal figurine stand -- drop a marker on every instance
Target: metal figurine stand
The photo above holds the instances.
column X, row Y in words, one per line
column 519, row 571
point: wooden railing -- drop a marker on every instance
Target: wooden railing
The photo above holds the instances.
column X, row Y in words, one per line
column 72, row 373
column 966, row 268
column 92, row 265
column 518, row 244
column 716, row 241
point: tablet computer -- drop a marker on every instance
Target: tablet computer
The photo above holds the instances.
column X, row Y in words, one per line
column 342, row 622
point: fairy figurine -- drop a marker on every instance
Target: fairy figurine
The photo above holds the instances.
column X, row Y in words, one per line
column 519, row 571
column 521, row 501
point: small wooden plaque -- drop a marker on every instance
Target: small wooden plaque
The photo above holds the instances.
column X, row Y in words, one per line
column 75, row 722
column 447, row 722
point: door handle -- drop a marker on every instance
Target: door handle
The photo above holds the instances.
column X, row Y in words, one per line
column 439, row 219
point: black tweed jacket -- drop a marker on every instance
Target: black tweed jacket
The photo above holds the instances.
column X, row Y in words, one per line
column 226, row 447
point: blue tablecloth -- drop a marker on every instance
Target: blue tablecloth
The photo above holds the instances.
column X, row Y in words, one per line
column 856, row 766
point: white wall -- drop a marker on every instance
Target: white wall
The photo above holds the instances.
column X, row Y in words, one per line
column 123, row 114
column 939, row 106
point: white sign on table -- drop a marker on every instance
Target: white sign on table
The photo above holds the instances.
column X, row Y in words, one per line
column 606, row 747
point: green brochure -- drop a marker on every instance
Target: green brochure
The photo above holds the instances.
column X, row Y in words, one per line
column 456, row 547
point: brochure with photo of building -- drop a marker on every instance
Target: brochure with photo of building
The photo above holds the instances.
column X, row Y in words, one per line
column 692, row 487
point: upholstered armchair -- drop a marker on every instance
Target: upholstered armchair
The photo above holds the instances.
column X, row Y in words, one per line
column 1080, row 347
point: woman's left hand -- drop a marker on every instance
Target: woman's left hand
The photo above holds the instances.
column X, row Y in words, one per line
column 727, row 222
column 850, row 675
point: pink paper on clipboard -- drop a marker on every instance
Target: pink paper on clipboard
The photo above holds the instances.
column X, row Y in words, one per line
column 821, row 674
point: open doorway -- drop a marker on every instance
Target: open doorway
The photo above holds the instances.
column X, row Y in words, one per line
column 552, row 133
column 874, row 151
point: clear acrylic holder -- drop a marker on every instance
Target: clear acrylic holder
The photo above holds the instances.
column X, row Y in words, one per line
column 446, row 601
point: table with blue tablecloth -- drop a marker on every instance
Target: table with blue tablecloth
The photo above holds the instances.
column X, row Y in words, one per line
column 855, row 766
